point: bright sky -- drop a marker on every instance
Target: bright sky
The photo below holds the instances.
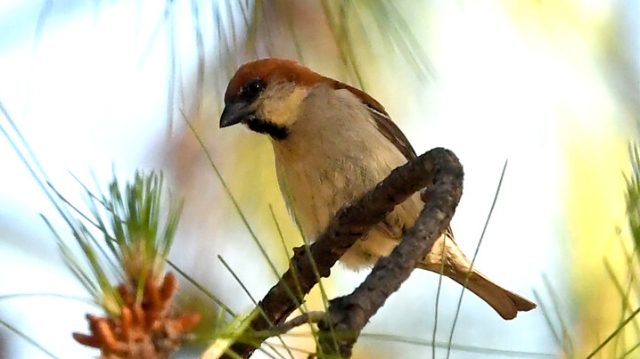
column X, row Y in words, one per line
column 84, row 100
column 89, row 90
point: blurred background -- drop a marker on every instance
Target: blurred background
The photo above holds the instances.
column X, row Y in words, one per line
column 552, row 87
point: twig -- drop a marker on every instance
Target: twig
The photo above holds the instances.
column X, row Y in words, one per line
column 349, row 314
column 350, row 223
column 302, row 319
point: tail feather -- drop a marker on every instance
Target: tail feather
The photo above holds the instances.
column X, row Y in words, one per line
column 506, row 303
column 457, row 267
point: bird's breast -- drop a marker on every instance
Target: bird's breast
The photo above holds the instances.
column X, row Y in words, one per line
column 333, row 155
column 315, row 188
column 317, row 181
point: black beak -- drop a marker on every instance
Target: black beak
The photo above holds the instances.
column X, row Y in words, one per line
column 235, row 113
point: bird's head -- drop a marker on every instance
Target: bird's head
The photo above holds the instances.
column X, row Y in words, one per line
column 266, row 95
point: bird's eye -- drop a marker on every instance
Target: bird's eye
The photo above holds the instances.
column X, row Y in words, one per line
column 251, row 90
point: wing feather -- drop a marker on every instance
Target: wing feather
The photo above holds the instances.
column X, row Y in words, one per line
column 382, row 120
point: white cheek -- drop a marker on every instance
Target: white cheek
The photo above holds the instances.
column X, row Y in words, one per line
column 282, row 110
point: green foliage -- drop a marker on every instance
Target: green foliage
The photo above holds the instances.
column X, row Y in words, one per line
column 624, row 339
column 125, row 238
column 633, row 194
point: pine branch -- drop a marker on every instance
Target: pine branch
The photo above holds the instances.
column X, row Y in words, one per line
column 349, row 314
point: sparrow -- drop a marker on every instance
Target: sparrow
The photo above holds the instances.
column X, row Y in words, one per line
column 332, row 143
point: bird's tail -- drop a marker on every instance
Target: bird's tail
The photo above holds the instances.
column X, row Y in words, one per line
column 459, row 268
column 506, row 303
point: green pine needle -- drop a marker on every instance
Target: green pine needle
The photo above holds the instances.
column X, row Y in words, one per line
column 125, row 237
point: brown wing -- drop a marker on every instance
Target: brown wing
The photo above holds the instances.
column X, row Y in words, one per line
column 393, row 133
column 382, row 119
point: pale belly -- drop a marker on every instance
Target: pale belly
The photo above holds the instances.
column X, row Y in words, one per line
column 315, row 194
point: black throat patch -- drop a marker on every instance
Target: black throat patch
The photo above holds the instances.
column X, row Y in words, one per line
column 277, row 132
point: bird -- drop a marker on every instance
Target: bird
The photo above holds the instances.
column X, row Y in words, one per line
column 332, row 143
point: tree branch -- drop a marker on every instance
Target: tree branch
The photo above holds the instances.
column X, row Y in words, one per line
column 351, row 222
column 302, row 319
column 349, row 314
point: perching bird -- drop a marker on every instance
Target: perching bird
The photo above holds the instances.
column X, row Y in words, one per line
column 332, row 143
